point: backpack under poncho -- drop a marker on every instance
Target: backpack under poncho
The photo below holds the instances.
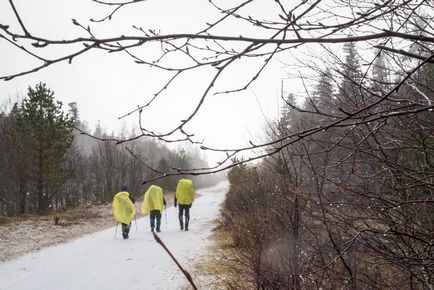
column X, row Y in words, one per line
column 123, row 207
column 185, row 192
column 153, row 199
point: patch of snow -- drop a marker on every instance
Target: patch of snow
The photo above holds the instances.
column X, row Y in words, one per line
column 98, row 261
column 32, row 233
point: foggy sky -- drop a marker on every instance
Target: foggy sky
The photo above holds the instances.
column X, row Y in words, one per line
column 106, row 86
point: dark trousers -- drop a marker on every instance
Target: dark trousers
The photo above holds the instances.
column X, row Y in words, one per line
column 184, row 209
column 125, row 230
column 155, row 215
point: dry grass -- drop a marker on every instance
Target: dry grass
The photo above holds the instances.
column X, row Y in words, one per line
column 205, row 272
column 27, row 233
column 75, row 216
column 212, row 272
column 4, row 220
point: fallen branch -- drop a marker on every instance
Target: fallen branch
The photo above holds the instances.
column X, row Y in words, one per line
column 187, row 275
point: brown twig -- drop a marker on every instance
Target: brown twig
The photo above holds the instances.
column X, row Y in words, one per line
column 187, row 275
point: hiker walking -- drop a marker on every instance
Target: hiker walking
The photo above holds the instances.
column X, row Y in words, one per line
column 153, row 203
column 124, row 210
column 184, row 197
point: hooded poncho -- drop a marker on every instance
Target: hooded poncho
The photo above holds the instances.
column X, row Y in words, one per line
column 153, row 199
column 123, row 207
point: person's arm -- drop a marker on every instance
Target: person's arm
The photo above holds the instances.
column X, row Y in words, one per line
column 164, row 201
column 133, row 200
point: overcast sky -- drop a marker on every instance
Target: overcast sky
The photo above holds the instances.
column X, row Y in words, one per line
column 106, row 86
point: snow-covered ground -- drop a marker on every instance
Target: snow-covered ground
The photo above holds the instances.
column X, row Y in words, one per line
column 29, row 233
column 98, row 261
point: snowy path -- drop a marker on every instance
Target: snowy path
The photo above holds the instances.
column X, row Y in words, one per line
column 98, row 261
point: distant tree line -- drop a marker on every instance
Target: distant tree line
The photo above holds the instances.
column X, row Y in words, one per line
column 48, row 165
column 348, row 207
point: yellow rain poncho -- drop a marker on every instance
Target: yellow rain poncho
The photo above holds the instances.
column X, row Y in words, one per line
column 185, row 192
column 153, row 199
column 123, row 207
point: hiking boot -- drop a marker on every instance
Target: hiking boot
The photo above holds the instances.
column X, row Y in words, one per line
column 158, row 230
column 186, row 228
column 125, row 235
column 152, row 229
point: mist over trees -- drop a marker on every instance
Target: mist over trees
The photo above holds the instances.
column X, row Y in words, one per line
column 48, row 165
column 394, row 36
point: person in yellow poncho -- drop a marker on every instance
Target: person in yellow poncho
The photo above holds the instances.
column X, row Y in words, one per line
column 184, row 197
column 124, row 210
column 153, row 203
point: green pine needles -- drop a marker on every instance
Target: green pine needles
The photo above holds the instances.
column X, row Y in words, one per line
column 46, row 133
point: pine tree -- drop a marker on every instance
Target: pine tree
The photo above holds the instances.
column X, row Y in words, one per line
column 380, row 74
column 287, row 119
column 324, row 91
column 18, row 163
column 322, row 98
column 47, row 136
column 350, row 95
